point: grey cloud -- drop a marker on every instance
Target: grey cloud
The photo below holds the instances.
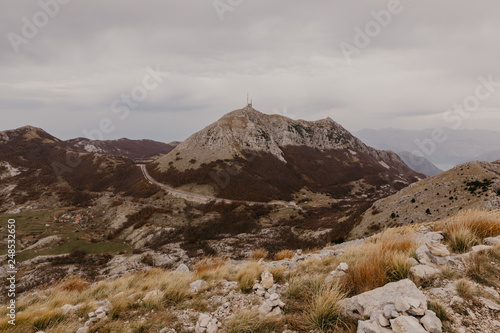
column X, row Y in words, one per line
column 286, row 53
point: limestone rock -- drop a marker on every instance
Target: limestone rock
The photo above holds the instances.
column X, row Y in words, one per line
column 68, row 308
column 376, row 300
column 407, row 324
column 182, row 268
column 152, row 294
column 422, row 255
column 401, row 304
column 206, row 324
column 83, row 329
column 492, row 240
column 265, row 308
column 343, row 267
column 478, row 248
column 431, row 322
column 424, row 271
column 371, row 326
column 197, row 285
column 412, row 262
column 267, row 280
column 490, row 304
column 438, row 249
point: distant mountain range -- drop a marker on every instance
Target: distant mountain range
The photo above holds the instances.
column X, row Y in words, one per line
column 445, row 147
column 419, row 163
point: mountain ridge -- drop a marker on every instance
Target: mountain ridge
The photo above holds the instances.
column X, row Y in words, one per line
column 272, row 157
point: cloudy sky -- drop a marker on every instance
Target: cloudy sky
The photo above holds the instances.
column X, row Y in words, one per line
column 70, row 66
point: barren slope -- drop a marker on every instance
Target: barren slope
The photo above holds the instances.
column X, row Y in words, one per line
column 470, row 185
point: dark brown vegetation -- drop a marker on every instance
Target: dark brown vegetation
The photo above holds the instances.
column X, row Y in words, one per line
column 133, row 149
column 46, row 163
column 263, row 177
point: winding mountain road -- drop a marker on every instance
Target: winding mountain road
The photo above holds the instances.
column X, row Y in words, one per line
column 203, row 199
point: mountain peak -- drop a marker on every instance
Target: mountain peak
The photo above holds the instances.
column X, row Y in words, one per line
column 27, row 132
column 248, row 129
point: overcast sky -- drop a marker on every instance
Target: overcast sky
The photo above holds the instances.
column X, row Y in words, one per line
column 70, row 74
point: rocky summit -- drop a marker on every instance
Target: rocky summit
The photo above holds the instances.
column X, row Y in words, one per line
column 273, row 156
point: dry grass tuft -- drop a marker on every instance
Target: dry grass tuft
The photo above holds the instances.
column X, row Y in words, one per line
column 461, row 239
column 464, row 289
column 258, row 254
column 248, row 274
column 481, row 267
column 439, row 309
column 303, row 287
column 278, row 273
column 381, row 260
column 74, row 283
column 284, row 254
column 253, row 322
column 212, row 268
column 324, row 312
column 468, row 228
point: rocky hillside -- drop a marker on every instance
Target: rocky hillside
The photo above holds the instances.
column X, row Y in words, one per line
column 254, row 156
column 39, row 170
column 133, row 149
column 433, row 278
column 466, row 186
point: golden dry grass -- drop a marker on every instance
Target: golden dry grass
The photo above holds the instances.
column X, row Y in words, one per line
column 74, row 283
column 311, row 304
column 380, row 260
column 248, row 274
column 464, row 289
column 482, row 267
column 43, row 312
column 253, row 322
column 469, row 228
column 259, row 254
column 284, row 254
column 323, row 310
column 213, row 269
column 278, row 273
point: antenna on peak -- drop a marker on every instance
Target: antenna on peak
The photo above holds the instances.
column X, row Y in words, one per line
column 249, row 102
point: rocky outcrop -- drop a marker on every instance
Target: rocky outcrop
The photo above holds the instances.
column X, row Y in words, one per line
column 250, row 129
column 396, row 307
column 206, row 324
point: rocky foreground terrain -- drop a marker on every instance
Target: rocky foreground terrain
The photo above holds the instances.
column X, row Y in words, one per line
column 436, row 277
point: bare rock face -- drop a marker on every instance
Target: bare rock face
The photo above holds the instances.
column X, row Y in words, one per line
column 406, row 324
column 404, row 291
column 424, row 271
column 271, row 156
column 431, row 322
column 206, row 324
column 249, row 129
